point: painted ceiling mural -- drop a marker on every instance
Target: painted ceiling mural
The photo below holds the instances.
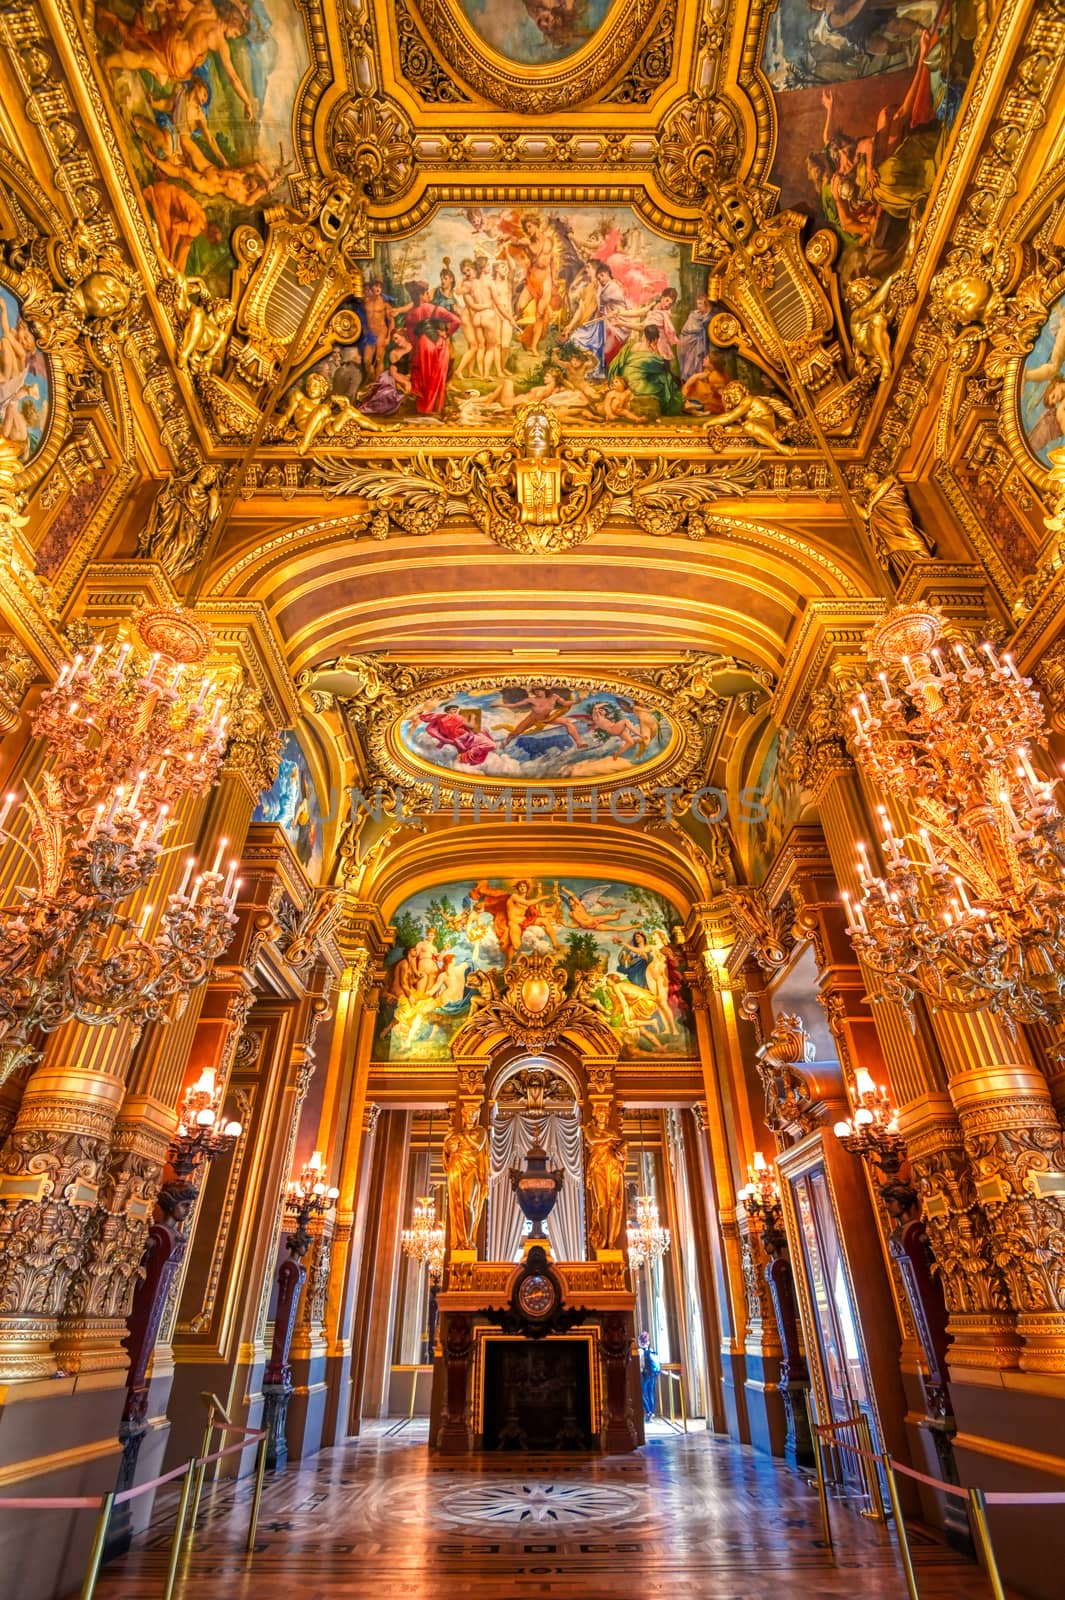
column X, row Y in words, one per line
column 1042, row 395
column 867, row 92
column 582, row 309
column 450, row 938
column 206, row 93
column 534, row 32
column 537, row 732
column 25, row 381
column 292, row 800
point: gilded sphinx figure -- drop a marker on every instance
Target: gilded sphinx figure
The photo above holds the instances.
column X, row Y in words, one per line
column 466, row 1162
column 604, row 1180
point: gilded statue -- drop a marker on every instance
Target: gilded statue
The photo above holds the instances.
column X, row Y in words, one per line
column 896, row 538
column 314, row 410
column 604, row 1178
column 208, row 321
column 181, row 519
column 466, row 1163
column 538, row 469
column 757, row 416
column 868, row 304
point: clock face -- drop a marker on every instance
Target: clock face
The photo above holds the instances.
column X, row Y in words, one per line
column 536, row 1295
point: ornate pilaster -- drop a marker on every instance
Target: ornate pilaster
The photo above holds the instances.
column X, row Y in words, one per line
column 51, row 1171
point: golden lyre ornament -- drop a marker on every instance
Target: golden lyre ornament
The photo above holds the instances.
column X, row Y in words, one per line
column 970, row 909
column 127, row 735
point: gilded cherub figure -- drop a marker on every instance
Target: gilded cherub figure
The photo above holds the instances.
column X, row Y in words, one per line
column 757, row 416
column 208, row 321
column 314, row 409
column 869, row 314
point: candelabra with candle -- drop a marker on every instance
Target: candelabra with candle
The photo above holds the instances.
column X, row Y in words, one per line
column 873, row 1131
column 308, row 1195
column 970, row 908
column 761, row 1200
column 198, row 1137
column 127, row 735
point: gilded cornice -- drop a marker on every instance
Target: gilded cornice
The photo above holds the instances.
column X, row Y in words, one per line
column 829, row 632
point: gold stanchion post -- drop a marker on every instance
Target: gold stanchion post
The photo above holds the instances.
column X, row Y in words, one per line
column 201, row 1468
column 179, row 1529
column 868, row 1460
column 900, row 1529
column 260, row 1469
column 96, row 1555
column 982, row 1528
column 822, row 1489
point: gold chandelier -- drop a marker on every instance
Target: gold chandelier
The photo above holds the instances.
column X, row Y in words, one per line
column 970, row 909
column 127, row 736
column 646, row 1238
column 424, row 1240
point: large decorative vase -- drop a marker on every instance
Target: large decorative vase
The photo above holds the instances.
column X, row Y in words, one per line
column 536, row 1189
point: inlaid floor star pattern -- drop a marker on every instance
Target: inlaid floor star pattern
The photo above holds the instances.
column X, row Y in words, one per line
column 687, row 1518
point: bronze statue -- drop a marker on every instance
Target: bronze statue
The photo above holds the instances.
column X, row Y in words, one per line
column 467, row 1165
column 604, row 1177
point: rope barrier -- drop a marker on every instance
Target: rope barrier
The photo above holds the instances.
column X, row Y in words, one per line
column 191, row 1471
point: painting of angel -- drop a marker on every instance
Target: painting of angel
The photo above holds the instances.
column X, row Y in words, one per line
column 532, row 32
column 205, row 91
column 1042, row 396
column 454, row 941
column 537, row 731
column 868, row 91
column 25, row 383
column 488, row 308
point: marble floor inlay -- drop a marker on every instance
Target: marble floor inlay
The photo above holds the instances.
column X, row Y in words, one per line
column 689, row 1517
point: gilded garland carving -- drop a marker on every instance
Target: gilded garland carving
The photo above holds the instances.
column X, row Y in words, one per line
column 529, row 1003
column 537, row 493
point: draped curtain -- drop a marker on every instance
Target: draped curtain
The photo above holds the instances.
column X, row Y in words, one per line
column 512, row 1138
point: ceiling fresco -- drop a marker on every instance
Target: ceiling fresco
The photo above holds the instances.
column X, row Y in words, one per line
column 1042, row 389
column 580, row 309
column 537, row 732
column 453, row 939
column 532, row 32
column 206, row 94
column 25, row 381
column 866, row 96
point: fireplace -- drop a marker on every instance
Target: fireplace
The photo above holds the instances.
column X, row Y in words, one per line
column 538, row 1394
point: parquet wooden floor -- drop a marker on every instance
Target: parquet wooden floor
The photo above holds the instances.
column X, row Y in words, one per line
column 687, row 1518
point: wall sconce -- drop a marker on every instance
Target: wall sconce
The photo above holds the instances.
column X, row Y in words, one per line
column 762, row 1201
column 197, row 1138
column 307, row 1196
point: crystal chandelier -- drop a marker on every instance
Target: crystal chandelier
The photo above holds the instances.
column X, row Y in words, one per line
column 873, row 1131
column 424, row 1239
column 127, row 737
column 762, row 1202
column 309, row 1195
column 970, row 909
column 197, row 1137
column 647, row 1240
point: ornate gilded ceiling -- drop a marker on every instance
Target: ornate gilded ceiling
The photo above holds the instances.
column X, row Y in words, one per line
column 534, row 342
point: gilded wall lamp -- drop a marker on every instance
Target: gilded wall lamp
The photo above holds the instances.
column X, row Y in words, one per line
column 128, row 732
column 969, row 911
column 647, row 1240
column 762, row 1202
column 873, row 1134
column 308, row 1195
column 200, row 1137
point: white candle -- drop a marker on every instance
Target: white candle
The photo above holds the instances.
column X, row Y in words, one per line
column 189, row 864
column 196, row 889
column 851, row 923
column 926, row 840
column 219, row 853
column 145, row 918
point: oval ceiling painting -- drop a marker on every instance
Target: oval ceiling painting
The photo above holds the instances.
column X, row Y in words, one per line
column 533, row 33
column 538, row 731
column 25, row 382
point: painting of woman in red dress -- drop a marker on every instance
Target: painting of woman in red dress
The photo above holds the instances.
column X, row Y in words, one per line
column 429, row 328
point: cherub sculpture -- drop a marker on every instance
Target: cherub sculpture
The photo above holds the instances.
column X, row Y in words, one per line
column 756, row 415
